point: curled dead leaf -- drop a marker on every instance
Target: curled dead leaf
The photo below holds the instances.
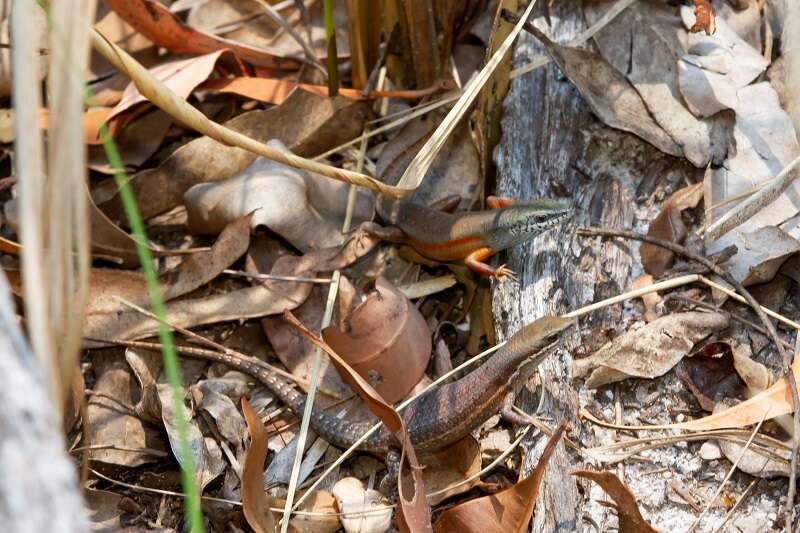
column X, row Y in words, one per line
column 669, row 226
column 452, row 465
column 711, row 376
column 386, row 340
column 160, row 25
column 508, row 510
column 363, row 510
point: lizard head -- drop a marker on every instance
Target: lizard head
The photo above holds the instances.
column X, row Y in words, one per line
column 541, row 337
column 522, row 222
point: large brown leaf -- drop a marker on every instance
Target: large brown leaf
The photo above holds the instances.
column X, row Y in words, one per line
column 508, row 510
column 385, row 340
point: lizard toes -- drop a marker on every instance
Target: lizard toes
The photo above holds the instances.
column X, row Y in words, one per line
column 505, row 272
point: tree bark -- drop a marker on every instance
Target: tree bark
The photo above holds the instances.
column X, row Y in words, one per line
column 553, row 146
column 38, row 488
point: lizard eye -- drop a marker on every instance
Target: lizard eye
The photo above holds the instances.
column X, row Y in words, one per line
column 540, row 218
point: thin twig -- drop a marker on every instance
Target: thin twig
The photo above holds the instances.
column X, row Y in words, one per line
column 788, row 375
column 736, row 505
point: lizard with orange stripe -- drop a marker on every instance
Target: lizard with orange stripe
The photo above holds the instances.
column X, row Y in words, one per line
column 472, row 236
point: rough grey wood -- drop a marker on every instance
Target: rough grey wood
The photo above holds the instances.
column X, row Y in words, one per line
column 553, row 146
column 38, row 487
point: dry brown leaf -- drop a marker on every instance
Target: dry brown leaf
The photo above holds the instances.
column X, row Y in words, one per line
column 630, row 519
column 711, row 376
column 454, row 464
column 756, row 376
column 414, row 513
column 612, row 97
column 255, row 501
column 704, row 17
column 669, row 226
column 108, row 424
column 268, row 298
column 489, row 110
column 456, row 171
column 508, row 510
column 155, row 22
column 206, row 451
column 136, row 141
column 649, row 351
column 386, row 340
column 760, row 254
column 107, row 287
column 275, row 91
column 181, row 76
column 305, row 123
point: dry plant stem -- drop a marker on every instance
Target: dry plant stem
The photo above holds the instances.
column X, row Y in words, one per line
column 333, row 290
column 767, row 311
column 139, row 488
column 422, row 161
column 655, row 287
column 728, row 476
column 66, row 206
column 729, row 515
column 161, row 96
column 788, row 375
column 309, row 406
column 744, row 211
column 793, row 468
column 487, row 468
column 29, row 162
column 402, row 119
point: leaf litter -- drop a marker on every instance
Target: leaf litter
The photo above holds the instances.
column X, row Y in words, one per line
column 697, row 95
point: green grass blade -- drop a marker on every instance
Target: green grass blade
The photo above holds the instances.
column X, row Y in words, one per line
column 193, row 511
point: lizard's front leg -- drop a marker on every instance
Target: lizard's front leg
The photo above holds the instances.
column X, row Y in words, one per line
column 475, row 262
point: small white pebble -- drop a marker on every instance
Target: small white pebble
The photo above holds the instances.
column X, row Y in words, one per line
column 680, row 417
column 710, row 451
